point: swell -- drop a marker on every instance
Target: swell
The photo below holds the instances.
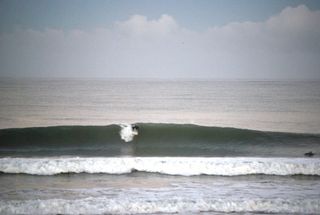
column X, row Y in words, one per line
column 153, row 140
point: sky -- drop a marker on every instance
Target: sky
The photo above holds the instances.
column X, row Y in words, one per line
column 203, row 39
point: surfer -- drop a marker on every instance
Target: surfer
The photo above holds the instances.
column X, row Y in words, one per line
column 309, row 154
column 135, row 129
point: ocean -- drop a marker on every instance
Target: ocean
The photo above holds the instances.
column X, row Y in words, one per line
column 90, row 146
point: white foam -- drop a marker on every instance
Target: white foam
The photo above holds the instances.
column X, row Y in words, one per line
column 127, row 133
column 186, row 166
column 103, row 205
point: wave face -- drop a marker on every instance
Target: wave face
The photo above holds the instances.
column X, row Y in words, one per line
column 186, row 166
column 154, row 140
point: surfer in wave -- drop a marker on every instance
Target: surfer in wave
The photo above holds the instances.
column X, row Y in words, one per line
column 128, row 132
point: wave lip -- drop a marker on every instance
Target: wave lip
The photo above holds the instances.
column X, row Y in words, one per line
column 186, row 166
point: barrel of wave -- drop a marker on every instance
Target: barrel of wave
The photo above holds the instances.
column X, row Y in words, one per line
column 128, row 132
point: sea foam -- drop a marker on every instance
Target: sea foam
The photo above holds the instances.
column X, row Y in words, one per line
column 103, row 205
column 186, row 166
column 127, row 133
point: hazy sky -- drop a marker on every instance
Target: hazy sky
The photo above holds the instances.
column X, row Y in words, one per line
column 259, row 39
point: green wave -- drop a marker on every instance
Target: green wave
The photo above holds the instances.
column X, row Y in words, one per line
column 154, row 140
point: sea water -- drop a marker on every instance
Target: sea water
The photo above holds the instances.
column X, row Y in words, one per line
column 202, row 146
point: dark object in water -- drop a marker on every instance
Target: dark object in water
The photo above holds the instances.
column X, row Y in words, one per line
column 309, row 154
column 135, row 127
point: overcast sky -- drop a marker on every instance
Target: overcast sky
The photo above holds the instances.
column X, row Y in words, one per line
column 226, row 39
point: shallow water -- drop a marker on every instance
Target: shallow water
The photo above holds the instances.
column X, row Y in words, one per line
column 154, row 193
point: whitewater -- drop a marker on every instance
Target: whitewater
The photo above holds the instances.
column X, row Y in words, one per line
column 164, row 165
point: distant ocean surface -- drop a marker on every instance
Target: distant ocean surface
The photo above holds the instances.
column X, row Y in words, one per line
column 211, row 147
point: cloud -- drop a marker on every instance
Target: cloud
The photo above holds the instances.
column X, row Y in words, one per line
column 287, row 45
column 139, row 25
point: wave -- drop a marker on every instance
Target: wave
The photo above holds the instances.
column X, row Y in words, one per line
column 186, row 166
column 153, row 140
column 103, row 205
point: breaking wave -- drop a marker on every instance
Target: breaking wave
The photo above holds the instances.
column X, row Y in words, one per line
column 187, row 166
